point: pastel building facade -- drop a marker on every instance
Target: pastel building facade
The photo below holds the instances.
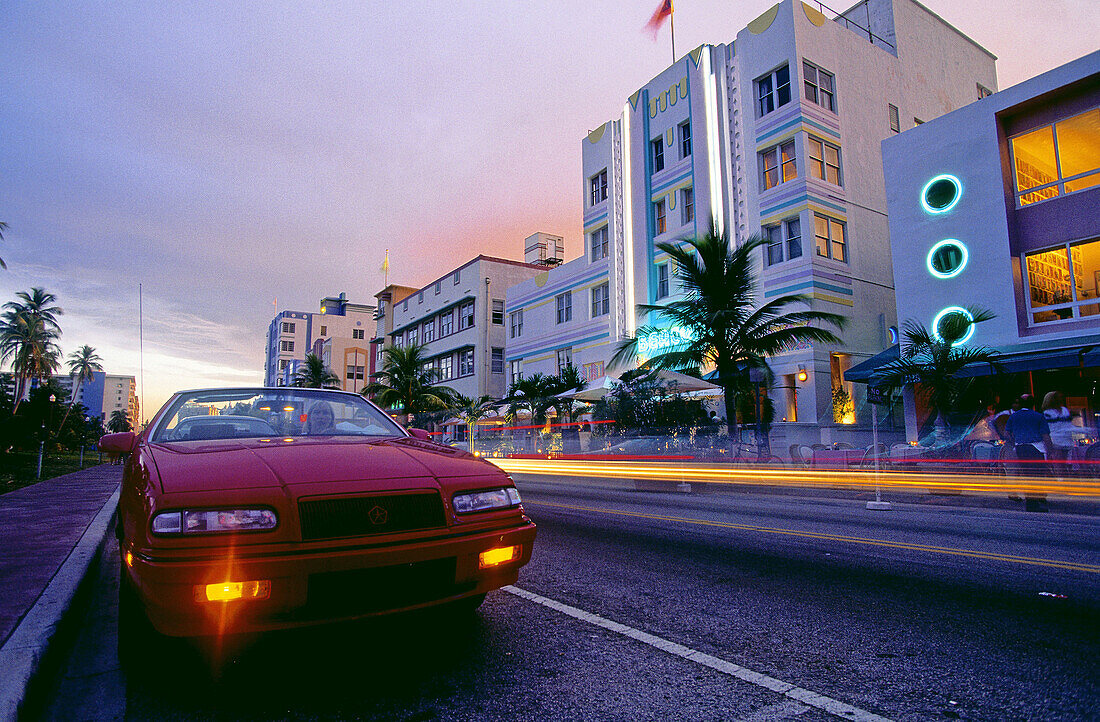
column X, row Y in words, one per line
column 461, row 320
column 777, row 133
column 339, row 334
column 105, row 394
column 997, row 206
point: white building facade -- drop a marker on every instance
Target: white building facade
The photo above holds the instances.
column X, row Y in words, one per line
column 777, row 133
column 997, row 206
column 461, row 320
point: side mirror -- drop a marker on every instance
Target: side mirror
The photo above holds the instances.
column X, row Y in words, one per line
column 122, row 443
column 417, row 434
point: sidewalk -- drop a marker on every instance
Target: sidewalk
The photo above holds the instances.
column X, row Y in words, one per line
column 40, row 528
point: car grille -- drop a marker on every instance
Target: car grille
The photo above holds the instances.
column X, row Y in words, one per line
column 362, row 591
column 364, row 515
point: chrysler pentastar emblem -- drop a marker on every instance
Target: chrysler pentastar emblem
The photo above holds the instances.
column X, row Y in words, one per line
column 378, row 515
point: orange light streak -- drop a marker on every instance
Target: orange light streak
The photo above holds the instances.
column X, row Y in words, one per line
column 765, row 475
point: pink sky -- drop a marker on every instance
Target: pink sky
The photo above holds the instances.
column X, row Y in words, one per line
column 228, row 155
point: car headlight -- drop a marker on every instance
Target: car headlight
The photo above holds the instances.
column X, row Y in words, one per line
column 214, row 520
column 484, row 500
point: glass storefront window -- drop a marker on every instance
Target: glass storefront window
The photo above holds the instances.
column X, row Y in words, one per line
column 1057, row 159
column 1064, row 283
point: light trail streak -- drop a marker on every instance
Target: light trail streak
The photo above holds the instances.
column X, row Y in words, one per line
column 762, row 475
column 953, row 551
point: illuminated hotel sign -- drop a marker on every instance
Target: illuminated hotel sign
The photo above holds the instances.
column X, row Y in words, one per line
column 662, row 341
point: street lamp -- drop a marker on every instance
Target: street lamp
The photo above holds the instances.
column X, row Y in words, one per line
column 42, row 439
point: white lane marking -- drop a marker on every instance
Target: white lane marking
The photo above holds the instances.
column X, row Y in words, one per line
column 779, row 711
column 827, row 704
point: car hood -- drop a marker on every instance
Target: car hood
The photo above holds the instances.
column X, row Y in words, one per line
column 310, row 465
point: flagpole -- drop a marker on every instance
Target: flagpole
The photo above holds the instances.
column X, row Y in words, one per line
column 672, row 28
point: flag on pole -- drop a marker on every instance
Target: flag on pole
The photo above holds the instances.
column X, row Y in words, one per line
column 664, row 10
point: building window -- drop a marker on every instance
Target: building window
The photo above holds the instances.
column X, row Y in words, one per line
column 324, row 330
column 466, row 362
column 514, row 373
column 773, row 252
column 405, row 305
column 565, row 358
column 657, row 153
column 457, row 277
column 517, row 323
column 428, row 334
column 983, row 92
column 819, row 86
column 437, row 288
column 288, row 327
column 598, row 243
column 446, row 323
column 398, row 340
column 773, row 90
column 659, row 223
column 445, row 367
column 565, row 307
column 895, row 119
column 597, row 188
column 412, row 336
column 1057, row 159
column 829, row 233
column 381, row 308
column 466, row 315
column 357, row 333
column 287, row 346
column 786, row 235
column 498, row 312
column 1064, row 282
column 687, row 205
column 685, row 139
column 778, row 164
column 282, row 364
column 497, row 361
column 355, row 373
column 420, row 297
column 662, row 281
column 601, row 300
column 794, row 238
column 824, row 160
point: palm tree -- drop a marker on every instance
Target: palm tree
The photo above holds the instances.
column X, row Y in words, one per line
column 3, row 227
column 39, row 304
column 118, row 422
column 535, row 393
column 313, row 374
column 30, row 346
column 472, row 411
column 719, row 320
column 83, row 363
column 932, row 359
column 408, row 383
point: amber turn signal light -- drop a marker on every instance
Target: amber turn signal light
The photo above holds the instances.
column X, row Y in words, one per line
column 496, row 557
column 228, row 591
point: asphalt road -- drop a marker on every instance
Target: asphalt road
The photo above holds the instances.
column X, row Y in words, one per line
column 661, row 606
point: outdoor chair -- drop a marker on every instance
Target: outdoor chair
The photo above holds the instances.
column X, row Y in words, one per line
column 843, row 445
column 874, row 451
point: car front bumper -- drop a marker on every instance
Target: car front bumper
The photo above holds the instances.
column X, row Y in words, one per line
column 312, row 586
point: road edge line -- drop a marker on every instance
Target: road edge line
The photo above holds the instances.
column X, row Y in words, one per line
column 808, row 697
column 22, row 653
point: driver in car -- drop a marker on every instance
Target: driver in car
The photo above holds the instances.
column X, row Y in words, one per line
column 320, row 421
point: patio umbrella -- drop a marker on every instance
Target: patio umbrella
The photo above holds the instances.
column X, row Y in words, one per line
column 683, row 382
column 594, row 390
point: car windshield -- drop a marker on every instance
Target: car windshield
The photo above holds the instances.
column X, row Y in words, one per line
column 263, row 413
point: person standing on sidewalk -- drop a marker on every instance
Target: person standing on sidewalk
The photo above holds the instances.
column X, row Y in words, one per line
column 1029, row 432
column 1060, row 420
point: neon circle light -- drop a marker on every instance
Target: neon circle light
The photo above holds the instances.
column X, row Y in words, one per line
column 949, row 310
column 951, row 273
column 938, row 182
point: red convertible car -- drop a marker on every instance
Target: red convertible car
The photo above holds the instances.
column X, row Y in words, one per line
column 256, row 509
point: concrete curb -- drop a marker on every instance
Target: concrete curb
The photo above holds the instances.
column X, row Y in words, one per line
column 22, row 654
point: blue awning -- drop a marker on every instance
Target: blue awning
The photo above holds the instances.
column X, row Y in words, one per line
column 1015, row 363
column 862, row 371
